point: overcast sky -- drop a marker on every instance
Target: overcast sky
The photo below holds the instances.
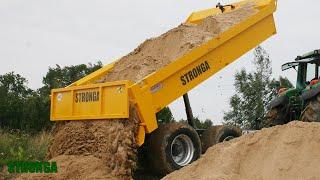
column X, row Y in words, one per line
column 36, row 34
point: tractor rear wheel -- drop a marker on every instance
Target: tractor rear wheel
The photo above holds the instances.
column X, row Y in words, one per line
column 171, row 147
column 312, row 111
column 216, row 134
column 277, row 116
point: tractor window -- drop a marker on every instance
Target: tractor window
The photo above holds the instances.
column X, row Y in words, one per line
column 311, row 72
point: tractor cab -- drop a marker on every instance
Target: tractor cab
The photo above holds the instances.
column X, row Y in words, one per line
column 307, row 66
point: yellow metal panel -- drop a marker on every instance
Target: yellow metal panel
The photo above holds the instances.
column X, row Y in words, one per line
column 113, row 99
column 141, row 135
column 197, row 17
column 61, row 107
column 143, row 100
column 98, row 101
column 83, row 106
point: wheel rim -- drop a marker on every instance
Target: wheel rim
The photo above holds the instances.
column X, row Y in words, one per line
column 228, row 138
column 182, row 150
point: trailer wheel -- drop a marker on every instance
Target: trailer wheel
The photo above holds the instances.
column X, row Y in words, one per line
column 216, row 134
column 172, row 146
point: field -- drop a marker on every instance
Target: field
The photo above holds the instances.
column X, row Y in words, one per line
column 22, row 146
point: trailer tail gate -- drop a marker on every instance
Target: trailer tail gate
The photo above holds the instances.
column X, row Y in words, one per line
column 95, row 101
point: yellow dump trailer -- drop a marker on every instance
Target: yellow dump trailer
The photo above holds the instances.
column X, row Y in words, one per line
column 84, row 100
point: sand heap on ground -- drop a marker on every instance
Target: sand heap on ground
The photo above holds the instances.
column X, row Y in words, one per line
column 290, row 151
column 112, row 141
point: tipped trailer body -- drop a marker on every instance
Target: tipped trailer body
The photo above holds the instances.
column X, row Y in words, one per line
column 86, row 100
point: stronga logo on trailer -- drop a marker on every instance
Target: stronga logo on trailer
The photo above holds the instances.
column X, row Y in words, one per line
column 90, row 96
column 195, row 72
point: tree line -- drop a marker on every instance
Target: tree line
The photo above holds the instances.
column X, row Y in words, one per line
column 29, row 110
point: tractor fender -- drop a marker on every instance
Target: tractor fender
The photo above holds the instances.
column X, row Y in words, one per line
column 311, row 93
column 281, row 100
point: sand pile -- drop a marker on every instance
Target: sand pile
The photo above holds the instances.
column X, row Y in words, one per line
column 158, row 52
column 283, row 152
column 113, row 141
column 93, row 149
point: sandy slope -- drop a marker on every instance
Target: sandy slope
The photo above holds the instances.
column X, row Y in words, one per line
column 290, row 151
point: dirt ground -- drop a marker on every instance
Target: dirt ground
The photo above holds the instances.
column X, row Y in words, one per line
column 110, row 144
column 282, row 152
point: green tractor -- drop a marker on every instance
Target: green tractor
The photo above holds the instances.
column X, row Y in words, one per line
column 302, row 102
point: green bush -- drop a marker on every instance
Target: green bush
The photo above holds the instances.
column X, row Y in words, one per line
column 21, row 146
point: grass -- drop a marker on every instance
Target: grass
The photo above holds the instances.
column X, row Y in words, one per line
column 21, row 146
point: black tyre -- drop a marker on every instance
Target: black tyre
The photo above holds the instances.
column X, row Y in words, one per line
column 217, row 134
column 208, row 137
column 277, row 116
column 312, row 111
column 171, row 147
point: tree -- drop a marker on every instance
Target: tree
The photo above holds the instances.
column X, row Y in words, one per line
column 284, row 83
column 26, row 109
column 199, row 124
column 254, row 91
column 202, row 125
column 165, row 115
column 58, row 77
column 13, row 93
